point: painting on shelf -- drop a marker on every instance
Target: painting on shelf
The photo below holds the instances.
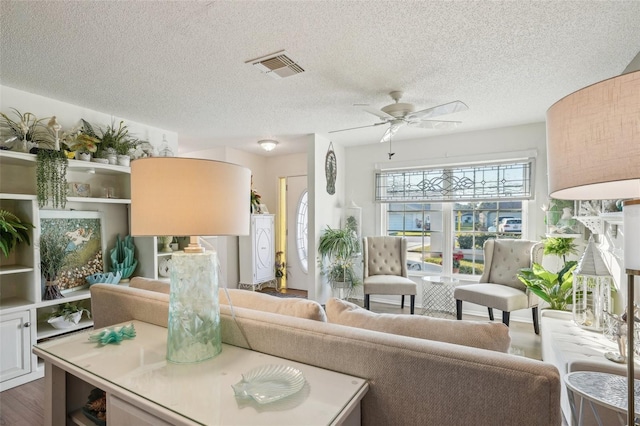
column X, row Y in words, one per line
column 84, row 250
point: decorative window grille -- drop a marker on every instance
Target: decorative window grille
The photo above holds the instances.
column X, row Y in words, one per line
column 302, row 225
column 487, row 182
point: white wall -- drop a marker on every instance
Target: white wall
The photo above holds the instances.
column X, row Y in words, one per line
column 324, row 209
column 69, row 115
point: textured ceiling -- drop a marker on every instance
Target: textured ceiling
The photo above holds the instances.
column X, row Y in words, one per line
column 180, row 65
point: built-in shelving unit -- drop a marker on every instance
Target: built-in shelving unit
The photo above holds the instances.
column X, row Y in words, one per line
column 596, row 224
column 23, row 312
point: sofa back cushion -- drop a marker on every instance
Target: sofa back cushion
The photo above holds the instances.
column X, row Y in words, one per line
column 484, row 335
column 294, row 307
column 301, row 308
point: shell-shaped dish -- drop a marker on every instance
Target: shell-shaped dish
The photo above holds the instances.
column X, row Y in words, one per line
column 269, row 383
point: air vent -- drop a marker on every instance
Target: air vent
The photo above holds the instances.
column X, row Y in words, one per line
column 277, row 65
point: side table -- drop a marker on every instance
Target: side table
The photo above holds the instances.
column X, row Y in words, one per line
column 437, row 296
column 603, row 389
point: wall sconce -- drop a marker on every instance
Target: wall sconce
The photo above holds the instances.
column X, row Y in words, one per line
column 268, row 144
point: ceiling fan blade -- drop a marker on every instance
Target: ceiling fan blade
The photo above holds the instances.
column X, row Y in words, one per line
column 435, row 124
column 378, row 113
column 391, row 131
column 359, row 127
column 449, row 108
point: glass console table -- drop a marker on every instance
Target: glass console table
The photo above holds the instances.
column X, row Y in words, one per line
column 143, row 388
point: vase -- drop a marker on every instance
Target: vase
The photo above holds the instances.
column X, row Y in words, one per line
column 341, row 289
column 62, row 322
column 83, row 156
column 52, row 291
column 124, row 160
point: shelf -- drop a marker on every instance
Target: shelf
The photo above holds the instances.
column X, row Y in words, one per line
column 45, row 330
column 91, row 167
column 614, row 218
column 17, row 158
column 18, row 197
column 14, row 302
column 73, row 296
column 163, row 254
column 99, row 200
column 78, row 418
column 29, row 160
column 14, row 269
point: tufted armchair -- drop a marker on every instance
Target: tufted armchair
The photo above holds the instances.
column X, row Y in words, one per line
column 499, row 286
column 385, row 269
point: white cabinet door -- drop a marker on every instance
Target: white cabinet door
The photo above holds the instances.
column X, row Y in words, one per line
column 257, row 251
column 15, row 351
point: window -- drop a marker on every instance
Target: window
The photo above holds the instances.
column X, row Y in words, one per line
column 302, row 223
column 448, row 213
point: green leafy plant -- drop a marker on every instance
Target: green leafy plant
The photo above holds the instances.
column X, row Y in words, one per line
column 25, row 128
column 560, row 247
column 554, row 288
column 67, row 311
column 118, row 138
column 53, row 246
column 12, row 231
column 338, row 247
column 51, row 178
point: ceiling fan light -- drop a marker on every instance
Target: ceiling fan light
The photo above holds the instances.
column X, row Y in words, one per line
column 268, row 144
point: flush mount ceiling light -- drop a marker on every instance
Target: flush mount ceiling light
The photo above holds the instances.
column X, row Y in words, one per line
column 268, row 144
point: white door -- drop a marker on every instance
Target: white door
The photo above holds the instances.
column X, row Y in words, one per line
column 297, row 234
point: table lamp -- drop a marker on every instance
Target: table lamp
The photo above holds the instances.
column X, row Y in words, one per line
column 593, row 153
column 191, row 197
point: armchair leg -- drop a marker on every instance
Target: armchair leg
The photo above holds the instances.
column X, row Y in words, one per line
column 490, row 313
column 402, row 302
column 413, row 303
column 505, row 318
column 458, row 309
column 366, row 301
column 536, row 326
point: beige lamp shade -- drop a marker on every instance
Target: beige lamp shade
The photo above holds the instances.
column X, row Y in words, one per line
column 593, row 141
column 189, row 197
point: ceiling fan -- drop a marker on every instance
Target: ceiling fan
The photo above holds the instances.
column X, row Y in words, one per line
column 398, row 114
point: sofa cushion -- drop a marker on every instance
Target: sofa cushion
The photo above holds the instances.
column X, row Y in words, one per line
column 484, row 335
column 301, row 308
column 294, row 307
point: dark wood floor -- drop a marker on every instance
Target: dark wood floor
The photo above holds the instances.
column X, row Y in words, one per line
column 22, row 405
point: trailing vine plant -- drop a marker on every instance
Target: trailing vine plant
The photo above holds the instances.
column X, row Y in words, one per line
column 51, row 177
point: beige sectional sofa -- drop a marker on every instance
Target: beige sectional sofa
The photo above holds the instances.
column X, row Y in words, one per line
column 413, row 381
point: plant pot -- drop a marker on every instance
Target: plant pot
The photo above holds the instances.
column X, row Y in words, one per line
column 113, row 159
column 341, row 289
column 62, row 322
column 83, row 156
column 52, row 291
column 124, row 160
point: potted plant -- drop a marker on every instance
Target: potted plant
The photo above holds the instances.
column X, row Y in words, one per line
column 51, row 178
column 555, row 288
column 281, row 271
column 338, row 247
column 67, row 315
column 83, row 143
column 53, row 246
column 12, row 232
column 24, row 133
column 457, row 257
column 118, row 141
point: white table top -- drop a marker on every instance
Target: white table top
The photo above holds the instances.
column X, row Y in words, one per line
column 440, row 279
column 609, row 390
column 202, row 392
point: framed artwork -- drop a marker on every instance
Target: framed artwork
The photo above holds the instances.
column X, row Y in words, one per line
column 85, row 247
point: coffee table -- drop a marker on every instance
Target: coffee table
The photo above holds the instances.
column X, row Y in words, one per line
column 437, row 296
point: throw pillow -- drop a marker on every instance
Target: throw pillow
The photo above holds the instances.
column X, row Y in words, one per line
column 301, row 308
column 484, row 335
